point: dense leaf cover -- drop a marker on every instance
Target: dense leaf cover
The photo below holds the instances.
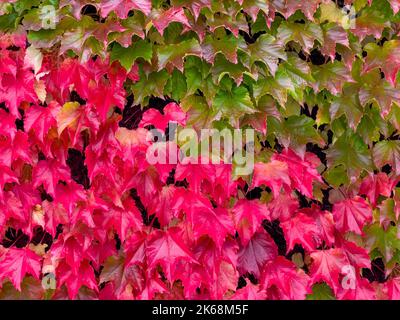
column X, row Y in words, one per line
column 317, row 219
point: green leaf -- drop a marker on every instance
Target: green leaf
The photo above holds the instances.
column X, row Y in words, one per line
column 303, row 34
column 172, row 55
column 149, row 85
column 350, row 151
column 387, row 152
column 267, row 50
column 321, row 291
column 386, row 241
column 233, row 104
column 127, row 56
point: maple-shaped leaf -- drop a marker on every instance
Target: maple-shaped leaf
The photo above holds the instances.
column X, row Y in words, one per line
column 218, row 270
column 161, row 19
column 283, row 206
column 40, row 120
column 350, row 151
column 273, row 174
column 284, row 281
column 393, row 288
column 304, row 34
column 123, row 220
column 166, row 248
column 352, row 215
column 333, row 35
column 216, row 223
column 10, row 151
column 386, row 241
column 331, row 76
column 127, row 56
column 164, row 206
column 267, row 50
column 195, row 174
column 122, row 7
column 194, row 6
column 172, row 55
column 371, row 21
column 250, row 292
column 357, row 256
column 17, row 89
column 380, row 91
column 74, row 281
column 172, row 112
column 48, row 173
column 248, row 214
column 121, row 275
column 348, row 104
column 55, row 214
column 8, row 128
column 302, row 172
column 387, row 152
column 220, row 42
column 258, row 250
column 324, row 223
column 360, row 290
column 16, row 263
column 68, row 195
column 327, row 266
column 379, row 56
column 375, row 185
column 289, row 7
column 75, row 118
column 300, row 229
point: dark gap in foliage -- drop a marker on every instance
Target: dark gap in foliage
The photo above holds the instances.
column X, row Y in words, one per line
column 59, row 230
column 40, row 236
column 140, row 206
column 317, row 150
column 253, row 193
column 386, row 169
column 171, row 178
column 75, row 97
column 79, row 171
column 275, row 231
column 317, row 58
column 91, row 11
column 241, row 283
column 326, row 205
column 182, row 183
column 303, row 201
column 44, row 195
column 14, row 238
column 117, row 241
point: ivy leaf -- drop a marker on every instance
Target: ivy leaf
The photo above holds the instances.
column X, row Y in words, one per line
column 386, row 58
column 233, row 104
column 387, row 152
column 127, row 56
column 173, row 54
column 267, row 50
column 303, row 34
column 386, row 241
column 352, row 215
column 350, row 151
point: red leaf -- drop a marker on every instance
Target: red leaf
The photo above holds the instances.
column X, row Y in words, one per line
column 16, row 263
column 351, row 214
column 259, row 250
column 289, row 282
column 248, row 214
